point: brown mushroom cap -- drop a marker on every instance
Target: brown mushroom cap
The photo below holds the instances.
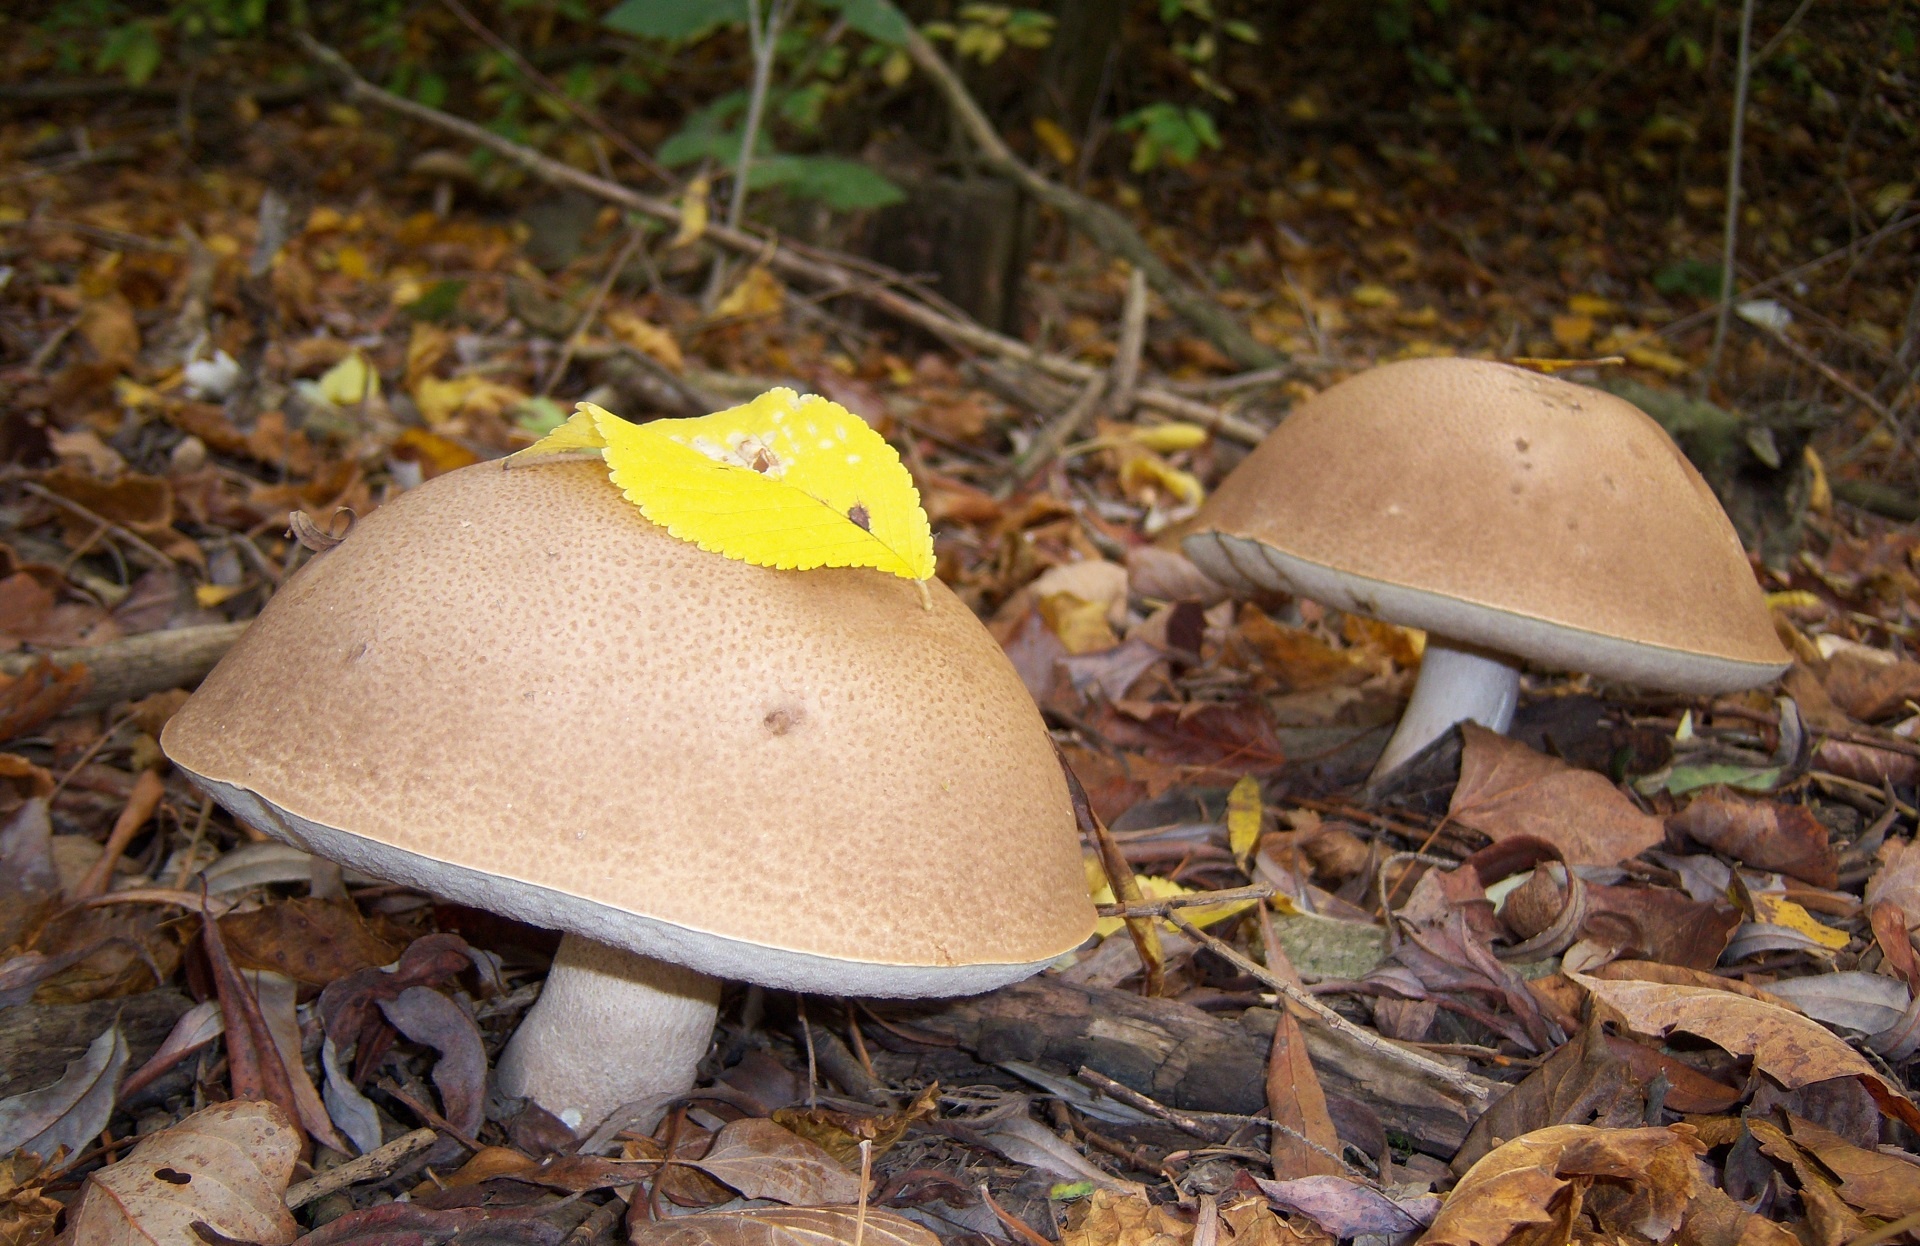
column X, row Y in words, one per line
column 1504, row 509
column 508, row 687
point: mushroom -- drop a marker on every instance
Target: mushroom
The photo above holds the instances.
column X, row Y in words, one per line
column 509, row 688
column 1515, row 517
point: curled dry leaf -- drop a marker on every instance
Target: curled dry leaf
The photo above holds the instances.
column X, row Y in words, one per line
column 1763, row 834
column 226, row 1166
column 1630, row 1181
column 1507, row 789
column 64, row 1117
column 762, row 1160
column 1347, row 1209
column 785, row 1226
column 1792, row 1049
column 27, row 1215
column 460, row 1074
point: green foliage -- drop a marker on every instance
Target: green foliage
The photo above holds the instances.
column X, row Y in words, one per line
column 674, row 19
column 1696, row 277
column 846, row 185
column 985, row 31
column 133, row 49
column 1167, row 134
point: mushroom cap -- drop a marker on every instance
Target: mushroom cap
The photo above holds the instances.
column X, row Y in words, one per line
column 1501, row 508
column 508, row 687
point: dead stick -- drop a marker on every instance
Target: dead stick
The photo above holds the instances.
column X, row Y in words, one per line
column 1122, row 390
column 1054, row 437
column 1160, row 907
column 138, row 666
column 1153, row 1107
column 144, row 799
column 139, row 543
column 836, row 274
column 1453, row 1078
column 374, row 1165
column 1126, row 888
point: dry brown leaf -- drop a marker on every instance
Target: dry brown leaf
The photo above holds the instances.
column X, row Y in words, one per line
column 1297, row 659
column 1763, row 834
column 1828, row 1216
column 762, row 1160
column 1792, row 1049
column 61, row 1119
column 1715, row 1219
column 310, row 940
column 1110, row 1218
column 784, row 1226
column 1584, row 1082
column 1507, row 789
column 27, row 1215
column 1650, row 1171
column 226, row 1166
column 1897, row 881
column 1870, row 683
column 1877, row 1184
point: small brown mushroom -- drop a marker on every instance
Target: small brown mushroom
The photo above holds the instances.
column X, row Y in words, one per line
column 1515, row 517
column 510, row 689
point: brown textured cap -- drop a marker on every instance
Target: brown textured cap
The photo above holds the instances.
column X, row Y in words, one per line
column 510, row 687
column 1502, row 508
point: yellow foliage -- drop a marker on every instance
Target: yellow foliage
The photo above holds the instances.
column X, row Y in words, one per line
column 759, row 293
column 1781, row 911
column 782, row 481
column 1168, row 438
column 350, row 381
column 441, row 401
column 646, row 337
column 1243, row 817
column 693, row 212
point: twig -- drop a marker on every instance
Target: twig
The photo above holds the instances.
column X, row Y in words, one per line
column 762, row 39
column 430, row 1116
column 137, row 666
column 1153, row 1107
column 1899, row 225
column 1780, row 36
column 1046, row 446
column 1021, row 1231
column 587, row 117
column 1104, row 226
column 809, row 264
column 141, row 802
column 1126, row 889
column 1730, row 233
column 592, row 311
column 1451, row 1077
column 98, row 233
column 1133, row 339
column 1161, row 907
column 374, row 1165
column 139, row 543
column 1840, row 382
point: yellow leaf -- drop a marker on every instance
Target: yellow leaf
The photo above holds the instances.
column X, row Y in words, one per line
column 1167, row 438
column 1572, row 332
column 1143, row 472
column 1819, row 491
column 1659, row 360
column 350, row 381
column 207, row 596
column 1780, row 911
column 1243, row 816
column 1592, row 306
column 1371, row 295
column 759, row 293
column 440, row 401
column 1153, row 887
column 353, row 263
column 426, row 347
column 693, row 212
column 1058, row 143
column 1080, row 624
column 897, row 68
column 782, row 481
column 1793, row 599
column 647, row 338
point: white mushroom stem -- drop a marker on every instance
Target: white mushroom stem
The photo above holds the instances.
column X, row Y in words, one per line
column 610, row 1027
column 1457, row 683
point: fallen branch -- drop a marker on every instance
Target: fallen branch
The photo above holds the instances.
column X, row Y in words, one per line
column 138, row 666
column 848, row 277
column 1107, row 228
column 1166, row 904
column 380, row 1162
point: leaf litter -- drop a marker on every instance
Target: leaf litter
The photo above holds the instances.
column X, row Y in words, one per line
column 1673, row 987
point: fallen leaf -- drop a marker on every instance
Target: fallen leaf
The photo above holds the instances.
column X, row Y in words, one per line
column 762, row 1160
column 29, row 880
column 1869, row 684
column 253, row 1059
column 460, row 1074
column 1243, row 817
column 1652, row 1173
column 310, row 940
column 784, row 1226
column 647, row 338
column 1864, row 1002
column 782, row 481
column 1296, row 658
column 61, row 1119
column 27, row 1215
column 1507, row 789
column 1582, row 1083
column 409, row 1224
column 1116, row 1218
column 226, row 1166
column 1792, row 1049
column 1345, row 1208
column 441, row 402
column 1876, row 1183
column 756, row 295
column 350, row 382
column 1761, row 833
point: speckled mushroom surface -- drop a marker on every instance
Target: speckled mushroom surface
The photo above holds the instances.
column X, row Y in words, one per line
column 513, row 675
column 1503, row 508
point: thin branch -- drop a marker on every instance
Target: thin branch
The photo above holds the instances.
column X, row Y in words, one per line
column 1731, row 232
column 1122, row 393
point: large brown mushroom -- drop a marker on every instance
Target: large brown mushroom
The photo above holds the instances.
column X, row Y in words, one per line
column 1515, row 517
column 508, row 688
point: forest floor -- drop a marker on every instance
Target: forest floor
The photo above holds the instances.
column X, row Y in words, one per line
column 285, row 307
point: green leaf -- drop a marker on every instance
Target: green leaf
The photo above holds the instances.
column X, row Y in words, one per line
column 846, row 185
column 876, row 19
column 134, row 49
column 673, row 19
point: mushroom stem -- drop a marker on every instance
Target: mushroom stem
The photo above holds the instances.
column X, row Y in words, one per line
column 1457, row 682
column 610, row 1027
